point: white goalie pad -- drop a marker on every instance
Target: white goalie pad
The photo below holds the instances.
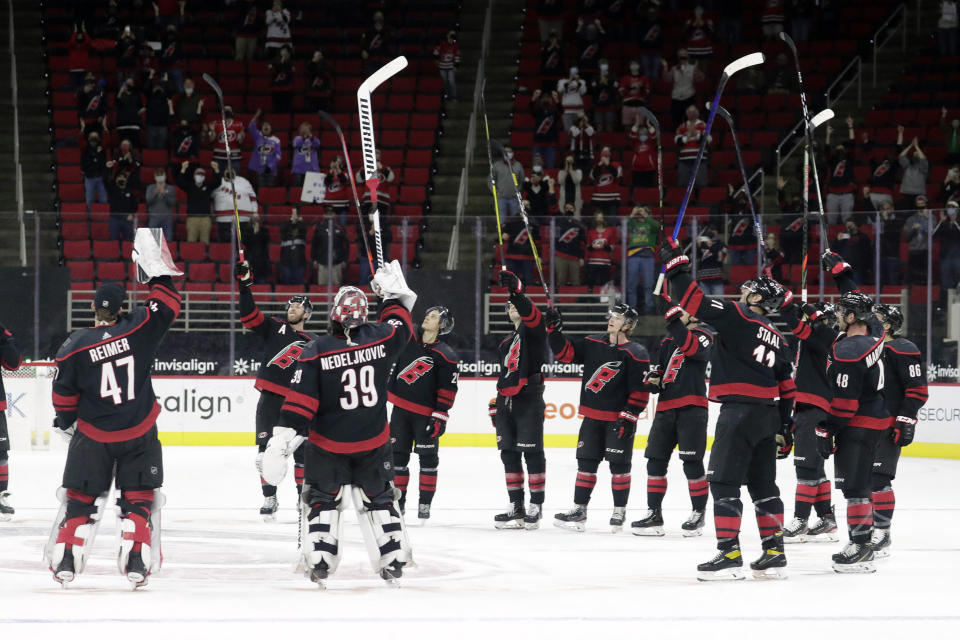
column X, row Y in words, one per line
column 324, row 531
column 152, row 255
column 389, row 284
column 152, row 554
column 53, row 551
column 382, row 533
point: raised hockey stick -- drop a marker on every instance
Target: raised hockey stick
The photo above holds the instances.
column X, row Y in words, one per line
column 226, row 141
column 739, row 64
column 493, row 183
column 353, row 185
column 365, row 109
column 815, row 122
column 652, row 119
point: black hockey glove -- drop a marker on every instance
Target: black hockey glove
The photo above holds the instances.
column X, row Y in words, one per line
column 825, row 440
column 653, row 379
column 673, row 314
column 244, row 274
column 785, row 440
column 553, row 319
column 65, row 431
column 810, row 311
column 903, row 430
column 437, row 425
column 510, row 280
column 626, row 425
column 492, row 412
column 833, row 263
column 673, row 258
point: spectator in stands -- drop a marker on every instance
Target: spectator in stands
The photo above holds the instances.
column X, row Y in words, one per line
column 293, row 249
column 234, row 134
column 916, row 230
column 863, row 205
column 571, row 90
column 857, row 250
column 169, row 13
column 772, row 18
column 130, row 109
column 947, row 28
column 266, row 152
column 185, row 142
column 306, row 153
column 126, row 163
column 644, row 164
column 801, row 19
column 649, row 37
column 93, row 165
column 127, row 51
column 190, row 104
column 159, row 112
column 590, row 36
column 581, row 136
column 320, row 83
column 891, row 230
column 278, row 33
column 683, row 77
column 568, row 247
column 171, row 57
column 539, row 192
column 569, row 179
column 782, row 78
column 731, row 21
column 245, row 40
column 91, row 107
column 161, row 199
column 546, row 129
column 711, row 258
column 123, row 208
column 688, row 138
column 227, row 211
column 281, row 81
column 883, row 179
column 775, row 258
column 791, row 223
column 634, row 91
column 951, row 184
column 603, row 93
column 387, row 177
column 256, row 249
column 951, row 136
column 505, row 170
column 599, row 254
column 742, row 240
column 841, row 185
column 698, row 34
column 642, row 233
column 551, row 60
column 375, row 43
column 947, row 232
column 337, row 186
column 915, row 167
column 80, row 46
column 328, row 234
column 606, row 175
column 550, row 18
column 447, row 54
column 386, row 237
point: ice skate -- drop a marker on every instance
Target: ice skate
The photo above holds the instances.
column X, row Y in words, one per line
column 771, row 565
column 6, row 511
column 726, row 565
column 531, row 521
column 319, row 573
column 795, row 531
column 137, row 572
column 881, row 543
column 269, row 509
column 855, row 558
column 617, row 518
column 511, row 519
column 693, row 525
column 823, row 530
column 65, row 572
column 392, row 573
column 423, row 513
column 573, row 520
column 651, row 524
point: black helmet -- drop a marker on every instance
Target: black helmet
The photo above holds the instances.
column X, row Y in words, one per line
column 771, row 292
column 446, row 319
column 630, row 316
column 304, row 302
column 857, row 303
column 891, row 315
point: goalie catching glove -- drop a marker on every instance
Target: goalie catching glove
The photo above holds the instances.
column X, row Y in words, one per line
column 388, row 283
column 274, row 463
column 152, row 256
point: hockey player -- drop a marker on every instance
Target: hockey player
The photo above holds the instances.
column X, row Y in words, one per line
column 422, row 392
column 337, row 401
column 612, row 396
column 751, row 368
column 679, row 378
column 104, row 400
column 10, row 359
column 272, row 380
column 858, row 419
column 517, row 412
column 905, row 392
column 814, row 325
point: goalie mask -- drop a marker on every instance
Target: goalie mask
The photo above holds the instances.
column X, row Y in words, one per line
column 446, row 319
column 630, row 316
column 891, row 315
column 349, row 308
column 304, row 302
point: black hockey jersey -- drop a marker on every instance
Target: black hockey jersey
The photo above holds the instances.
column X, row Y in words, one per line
column 612, row 374
column 683, row 358
column 751, row 361
column 276, row 335
column 570, row 238
column 425, row 378
column 523, row 353
column 103, row 372
column 338, row 390
column 905, row 383
column 9, row 358
column 816, row 342
column 857, row 379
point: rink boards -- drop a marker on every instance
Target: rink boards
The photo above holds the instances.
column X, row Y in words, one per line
column 220, row 411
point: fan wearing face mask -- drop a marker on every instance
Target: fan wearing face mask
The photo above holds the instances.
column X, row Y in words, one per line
column 199, row 184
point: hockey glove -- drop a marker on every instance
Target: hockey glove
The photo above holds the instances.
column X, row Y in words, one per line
column 653, row 379
column 273, row 465
column 673, row 258
column 673, row 314
column 626, row 425
column 492, row 412
column 785, row 440
column 510, row 281
column 903, row 429
column 811, row 312
column 437, row 425
column 553, row 319
column 152, row 255
column 389, row 283
column 825, row 440
column 787, row 299
column 65, row 432
column 244, row 275
column 833, row 263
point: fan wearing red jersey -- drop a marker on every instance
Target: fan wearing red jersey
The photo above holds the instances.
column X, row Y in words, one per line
column 10, row 359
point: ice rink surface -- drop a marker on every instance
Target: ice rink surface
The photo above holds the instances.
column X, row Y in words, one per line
column 228, row 575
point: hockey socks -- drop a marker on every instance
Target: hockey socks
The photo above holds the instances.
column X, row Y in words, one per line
column 513, row 473
column 727, row 514
column 268, row 490
column 698, row 493
column 824, row 503
column 428, row 483
column 584, row 487
column 537, row 475
column 656, row 489
column 859, row 520
column 769, row 520
column 805, row 497
column 620, row 484
column 4, row 475
column 298, row 476
column 883, row 504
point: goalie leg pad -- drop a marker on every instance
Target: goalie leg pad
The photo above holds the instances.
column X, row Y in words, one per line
column 321, row 527
column 137, row 535
column 74, row 530
column 381, row 526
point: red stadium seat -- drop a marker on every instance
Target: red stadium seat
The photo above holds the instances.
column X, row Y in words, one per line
column 111, row 270
column 202, row 272
column 107, row 250
column 81, row 269
column 76, row 249
column 192, row 251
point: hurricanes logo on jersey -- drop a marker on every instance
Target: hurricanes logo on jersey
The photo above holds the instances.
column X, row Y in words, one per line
column 288, row 355
column 673, row 368
column 512, row 361
column 416, row 369
column 604, row 374
column 569, row 236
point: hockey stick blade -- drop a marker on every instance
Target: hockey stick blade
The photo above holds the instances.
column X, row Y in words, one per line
column 723, row 114
column 820, row 118
column 213, row 85
column 380, row 76
column 652, row 119
column 789, row 41
column 749, row 60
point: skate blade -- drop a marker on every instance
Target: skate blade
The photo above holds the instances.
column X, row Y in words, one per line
column 616, row 528
column 797, row 539
column 723, row 574
column 64, row 577
column 830, row 536
column 691, row 533
column 423, row 521
column 269, row 517
column 531, row 526
column 569, row 526
column 512, row 524
column 773, row 573
column 859, row 567
column 137, row 580
column 647, row 531
column 6, row 517
column 879, row 554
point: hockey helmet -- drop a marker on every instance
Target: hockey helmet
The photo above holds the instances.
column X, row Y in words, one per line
column 891, row 315
column 630, row 316
column 771, row 292
column 349, row 307
column 857, row 303
column 304, row 302
column 826, row 311
column 446, row 319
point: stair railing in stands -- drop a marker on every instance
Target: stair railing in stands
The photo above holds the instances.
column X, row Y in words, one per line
column 896, row 22
column 17, row 171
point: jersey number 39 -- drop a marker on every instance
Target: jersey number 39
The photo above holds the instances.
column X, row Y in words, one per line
column 367, row 389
